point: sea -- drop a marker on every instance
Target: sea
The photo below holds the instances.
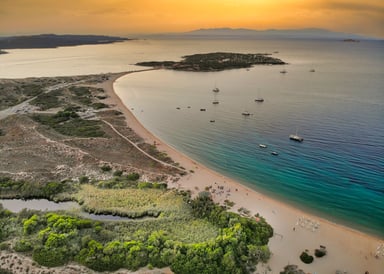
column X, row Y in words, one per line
column 332, row 95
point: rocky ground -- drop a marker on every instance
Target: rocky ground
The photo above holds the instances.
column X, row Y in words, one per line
column 32, row 151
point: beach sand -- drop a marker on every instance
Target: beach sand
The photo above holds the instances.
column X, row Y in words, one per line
column 348, row 251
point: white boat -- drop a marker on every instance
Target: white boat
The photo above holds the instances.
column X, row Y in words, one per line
column 262, row 146
column 296, row 137
column 274, row 153
column 259, row 99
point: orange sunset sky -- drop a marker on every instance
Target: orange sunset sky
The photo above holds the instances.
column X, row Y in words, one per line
column 128, row 17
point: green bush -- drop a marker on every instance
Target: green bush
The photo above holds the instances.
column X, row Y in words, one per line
column 83, row 180
column 306, row 258
column 23, row 246
column 68, row 123
column 50, row 257
column 99, row 105
column 320, row 252
column 106, row 168
column 133, row 176
column 118, row 173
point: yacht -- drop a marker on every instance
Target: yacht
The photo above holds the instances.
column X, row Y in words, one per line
column 245, row 113
column 296, row 138
column 262, row 146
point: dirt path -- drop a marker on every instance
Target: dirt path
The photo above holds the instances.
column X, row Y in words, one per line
column 142, row 151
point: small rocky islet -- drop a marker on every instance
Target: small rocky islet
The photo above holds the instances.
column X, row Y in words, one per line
column 217, row 61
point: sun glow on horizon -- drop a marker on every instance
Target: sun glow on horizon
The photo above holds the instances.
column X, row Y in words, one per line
column 124, row 17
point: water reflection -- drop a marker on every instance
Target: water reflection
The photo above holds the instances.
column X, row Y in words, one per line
column 16, row 205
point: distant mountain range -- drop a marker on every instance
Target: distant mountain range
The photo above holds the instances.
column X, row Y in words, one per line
column 53, row 41
column 227, row 33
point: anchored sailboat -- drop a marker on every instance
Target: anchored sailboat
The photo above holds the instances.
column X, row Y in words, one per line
column 296, row 137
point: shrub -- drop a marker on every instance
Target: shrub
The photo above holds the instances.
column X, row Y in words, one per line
column 50, row 257
column 106, row 168
column 4, row 246
column 23, row 246
column 320, row 252
column 306, row 258
column 133, row 176
column 83, row 180
column 99, row 105
column 118, row 173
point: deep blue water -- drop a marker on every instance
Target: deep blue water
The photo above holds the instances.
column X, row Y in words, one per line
column 337, row 172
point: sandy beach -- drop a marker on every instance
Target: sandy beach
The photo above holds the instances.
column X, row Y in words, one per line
column 348, row 251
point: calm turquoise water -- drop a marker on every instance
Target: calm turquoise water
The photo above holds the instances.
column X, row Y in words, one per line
column 337, row 172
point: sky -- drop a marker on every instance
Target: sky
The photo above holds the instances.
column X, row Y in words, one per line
column 128, row 17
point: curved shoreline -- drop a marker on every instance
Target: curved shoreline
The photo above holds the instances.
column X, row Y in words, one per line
column 295, row 230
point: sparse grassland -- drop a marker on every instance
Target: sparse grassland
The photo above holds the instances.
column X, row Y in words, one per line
column 49, row 100
column 70, row 124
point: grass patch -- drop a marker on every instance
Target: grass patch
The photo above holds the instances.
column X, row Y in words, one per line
column 82, row 95
column 48, row 100
column 132, row 202
column 68, row 123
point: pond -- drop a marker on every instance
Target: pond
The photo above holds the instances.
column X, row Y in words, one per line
column 16, row 205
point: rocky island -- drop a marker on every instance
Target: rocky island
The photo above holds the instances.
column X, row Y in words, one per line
column 216, row 61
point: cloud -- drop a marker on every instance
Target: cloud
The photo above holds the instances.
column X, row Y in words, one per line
column 372, row 6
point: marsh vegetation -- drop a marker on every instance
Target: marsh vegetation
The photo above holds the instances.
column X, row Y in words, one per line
column 189, row 235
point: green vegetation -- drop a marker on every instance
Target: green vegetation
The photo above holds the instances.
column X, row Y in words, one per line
column 82, row 95
column 48, row 100
column 31, row 190
column 69, row 123
column 14, row 92
column 306, row 258
column 106, row 168
column 117, row 173
column 292, row 269
column 99, row 105
column 216, row 61
column 188, row 235
column 320, row 252
column 131, row 202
